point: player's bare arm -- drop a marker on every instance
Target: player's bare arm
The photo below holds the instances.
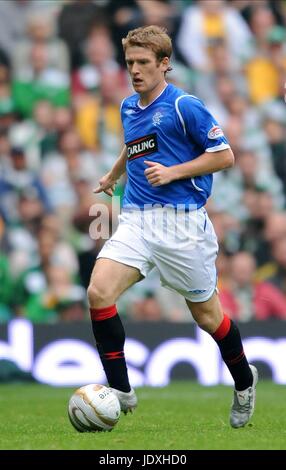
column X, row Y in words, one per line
column 107, row 182
column 209, row 162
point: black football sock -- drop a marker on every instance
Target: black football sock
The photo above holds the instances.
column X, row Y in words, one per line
column 110, row 337
column 229, row 342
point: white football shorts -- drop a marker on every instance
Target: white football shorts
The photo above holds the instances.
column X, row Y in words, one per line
column 181, row 245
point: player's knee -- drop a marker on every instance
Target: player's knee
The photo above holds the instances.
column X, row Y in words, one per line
column 99, row 295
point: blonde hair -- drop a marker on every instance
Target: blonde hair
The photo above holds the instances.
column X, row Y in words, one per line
column 150, row 37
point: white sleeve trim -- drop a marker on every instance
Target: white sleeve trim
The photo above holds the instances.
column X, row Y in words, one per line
column 179, row 112
column 217, row 148
column 195, row 185
column 122, row 104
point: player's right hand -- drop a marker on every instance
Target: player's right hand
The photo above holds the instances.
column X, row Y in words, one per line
column 106, row 185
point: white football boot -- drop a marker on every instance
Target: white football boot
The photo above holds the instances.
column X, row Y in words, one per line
column 243, row 403
column 128, row 400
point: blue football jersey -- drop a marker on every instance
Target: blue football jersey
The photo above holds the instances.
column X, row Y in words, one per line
column 175, row 128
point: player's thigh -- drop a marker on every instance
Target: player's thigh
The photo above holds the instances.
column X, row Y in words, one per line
column 188, row 265
column 111, row 278
column 208, row 314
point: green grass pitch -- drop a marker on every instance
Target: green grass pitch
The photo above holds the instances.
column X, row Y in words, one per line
column 183, row 415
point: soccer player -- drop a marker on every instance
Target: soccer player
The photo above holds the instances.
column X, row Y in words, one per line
column 172, row 147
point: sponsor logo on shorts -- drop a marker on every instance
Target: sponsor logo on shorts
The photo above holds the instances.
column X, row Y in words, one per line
column 142, row 146
column 215, row 132
column 197, row 291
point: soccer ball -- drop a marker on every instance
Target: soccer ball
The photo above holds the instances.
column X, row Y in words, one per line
column 93, row 408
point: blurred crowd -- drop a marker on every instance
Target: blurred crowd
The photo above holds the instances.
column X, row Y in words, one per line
column 62, row 79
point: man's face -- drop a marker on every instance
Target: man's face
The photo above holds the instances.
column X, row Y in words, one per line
column 144, row 69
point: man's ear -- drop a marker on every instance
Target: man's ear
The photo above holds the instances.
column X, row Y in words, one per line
column 166, row 63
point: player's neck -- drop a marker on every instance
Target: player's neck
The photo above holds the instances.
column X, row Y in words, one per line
column 149, row 97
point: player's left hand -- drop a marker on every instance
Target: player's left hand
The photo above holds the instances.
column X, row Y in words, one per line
column 158, row 174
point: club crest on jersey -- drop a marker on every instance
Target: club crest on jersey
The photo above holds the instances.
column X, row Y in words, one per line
column 215, row 132
column 156, row 119
column 142, row 146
